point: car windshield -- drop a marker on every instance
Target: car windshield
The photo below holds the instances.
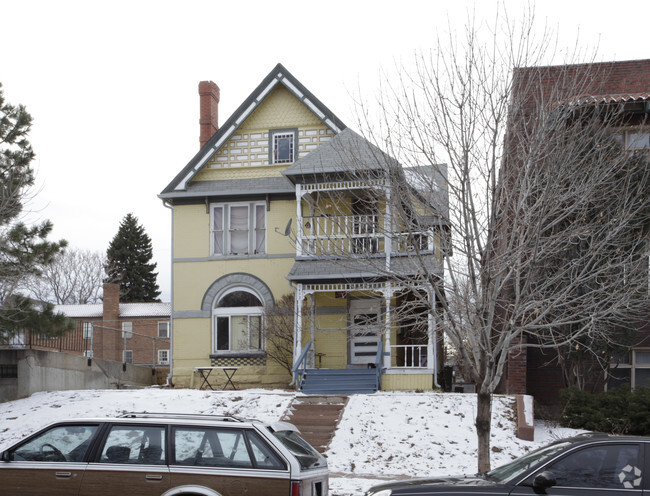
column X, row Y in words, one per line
column 508, row 472
column 307, row 456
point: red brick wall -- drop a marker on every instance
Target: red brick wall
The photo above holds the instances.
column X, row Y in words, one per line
column 516, row 373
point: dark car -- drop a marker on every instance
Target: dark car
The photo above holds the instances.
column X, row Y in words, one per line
column 164, row 455
column 587, row 465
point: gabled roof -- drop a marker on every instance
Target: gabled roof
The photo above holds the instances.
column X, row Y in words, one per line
column 279, row 75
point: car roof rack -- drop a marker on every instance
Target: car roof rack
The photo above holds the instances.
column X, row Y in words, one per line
column 184, row 416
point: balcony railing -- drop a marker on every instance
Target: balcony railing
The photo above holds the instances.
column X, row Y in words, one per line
column 356, row 234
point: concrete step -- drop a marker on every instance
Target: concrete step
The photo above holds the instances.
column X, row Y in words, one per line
column 317, row 418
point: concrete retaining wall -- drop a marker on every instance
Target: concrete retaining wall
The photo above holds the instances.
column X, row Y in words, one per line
column 39, row 370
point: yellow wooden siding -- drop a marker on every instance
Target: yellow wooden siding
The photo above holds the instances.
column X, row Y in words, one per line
column 191, row 236
column 407, row 382
column 280, row 109
column 192, row 279
column 245, row 154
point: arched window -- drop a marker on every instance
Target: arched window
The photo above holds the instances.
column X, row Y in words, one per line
column 237, row 322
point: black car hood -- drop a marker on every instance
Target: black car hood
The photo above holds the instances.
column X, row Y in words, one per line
column 436, row 484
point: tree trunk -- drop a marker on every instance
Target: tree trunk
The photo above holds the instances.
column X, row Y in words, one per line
column 483, row 425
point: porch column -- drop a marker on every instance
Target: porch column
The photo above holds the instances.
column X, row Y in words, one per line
column 388, row 230
column 297, row 323
column 388, row 294
column 299, row 232
column 432, row 350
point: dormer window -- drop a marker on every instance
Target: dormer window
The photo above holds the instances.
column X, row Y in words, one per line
column 282, row 146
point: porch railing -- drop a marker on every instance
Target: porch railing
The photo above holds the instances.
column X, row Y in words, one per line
column 300, row 367
column 356, row 234
column 412, row 356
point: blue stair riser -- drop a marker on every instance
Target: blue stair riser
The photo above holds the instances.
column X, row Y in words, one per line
column 332, row 381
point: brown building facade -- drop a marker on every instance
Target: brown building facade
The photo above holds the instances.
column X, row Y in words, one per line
column 625, row 85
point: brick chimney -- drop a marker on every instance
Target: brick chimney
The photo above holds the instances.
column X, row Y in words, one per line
column 209, row 113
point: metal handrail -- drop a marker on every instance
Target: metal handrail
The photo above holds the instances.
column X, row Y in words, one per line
column 297, row 366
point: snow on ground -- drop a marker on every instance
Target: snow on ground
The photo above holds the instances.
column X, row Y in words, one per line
column 381, row 437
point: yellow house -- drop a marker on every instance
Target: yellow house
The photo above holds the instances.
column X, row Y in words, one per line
column 284, row 199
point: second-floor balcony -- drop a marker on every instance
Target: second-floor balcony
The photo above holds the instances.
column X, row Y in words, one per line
column 341, row 235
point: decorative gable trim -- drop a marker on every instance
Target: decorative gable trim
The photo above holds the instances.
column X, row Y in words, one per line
column 279, row 75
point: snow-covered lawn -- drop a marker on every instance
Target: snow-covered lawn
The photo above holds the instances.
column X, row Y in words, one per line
column 381, row 436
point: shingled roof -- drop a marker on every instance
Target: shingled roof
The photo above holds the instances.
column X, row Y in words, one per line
column 345, row 152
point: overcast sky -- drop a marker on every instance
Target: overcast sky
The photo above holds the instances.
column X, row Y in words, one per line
column 113, row 86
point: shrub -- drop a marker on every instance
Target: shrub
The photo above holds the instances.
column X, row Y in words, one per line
column 618, row 411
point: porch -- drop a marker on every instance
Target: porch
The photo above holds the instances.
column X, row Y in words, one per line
column 410, row 373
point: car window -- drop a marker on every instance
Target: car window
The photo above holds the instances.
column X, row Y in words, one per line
column 219, row 447
column 511, row 470
column 605, row 466
column 64, row 443
column 307, row 456
column 134, row 444
column 264, row 456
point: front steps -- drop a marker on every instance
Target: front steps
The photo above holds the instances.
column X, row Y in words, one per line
column 340, row 381
column 317, row 418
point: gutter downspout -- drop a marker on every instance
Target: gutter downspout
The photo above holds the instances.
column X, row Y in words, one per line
column 171, row 300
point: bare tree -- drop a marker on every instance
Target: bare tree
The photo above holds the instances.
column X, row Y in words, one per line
column 278, row 332
column 75, row 277
column 548, row 215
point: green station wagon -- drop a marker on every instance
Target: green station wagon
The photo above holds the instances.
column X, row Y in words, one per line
column 164, row 455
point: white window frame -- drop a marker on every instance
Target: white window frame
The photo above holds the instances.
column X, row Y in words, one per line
column 163, row 357
column 127, row 330
column 166, row 334
column 254, row 233
column 127, row 356
column 274, row 136
column 229, row 312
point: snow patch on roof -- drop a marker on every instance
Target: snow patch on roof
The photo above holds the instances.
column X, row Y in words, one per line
column 127, row 310
column 145, row 309
column 72, row 311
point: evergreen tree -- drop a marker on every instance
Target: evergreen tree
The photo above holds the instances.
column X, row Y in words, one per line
column 129, row 263
column 24, row 250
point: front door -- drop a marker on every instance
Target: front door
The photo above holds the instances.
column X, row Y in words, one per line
column 365, row 330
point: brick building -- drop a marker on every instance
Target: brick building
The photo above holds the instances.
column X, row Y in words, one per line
column 626, row 86
column 137, row 333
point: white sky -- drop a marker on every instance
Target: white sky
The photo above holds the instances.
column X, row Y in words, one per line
column 113, row 86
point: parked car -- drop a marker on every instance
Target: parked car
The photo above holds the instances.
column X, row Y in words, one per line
column 589, row 465
column 164, row 455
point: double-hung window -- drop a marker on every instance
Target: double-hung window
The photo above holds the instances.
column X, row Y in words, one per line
column 163, row 357
column 127, row 330
column 163, row 329
column 238, row 228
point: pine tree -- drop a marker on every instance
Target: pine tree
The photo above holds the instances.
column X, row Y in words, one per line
column 129, row 263
column 24, row 250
